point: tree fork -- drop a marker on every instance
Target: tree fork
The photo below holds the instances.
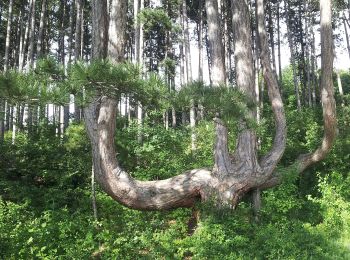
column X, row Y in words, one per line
column 232, row 176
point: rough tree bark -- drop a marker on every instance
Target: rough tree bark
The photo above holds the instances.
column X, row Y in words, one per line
column 327, row 98
column 215, row 43
column 30, row 57
column 8, row 36
column 39, row 46
column 231, row 176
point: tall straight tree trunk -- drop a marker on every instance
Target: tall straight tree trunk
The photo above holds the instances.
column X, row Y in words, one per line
column 307, row 55
column 186, row 36
column 200, row 41
column 215, row 43
column 271, row 34
column 139, row 58
column 30, row 57
column 302, row 68
column 292, row 57
column 82, row 31
column 15, row 120
column 77, row 46
column 61, row 41
column 8, row 36
column 187, row 58
column 25, row 40
column 39, row 46
column 340, row 87
column 21, row 40
column 280, row 76
column 62, row 55
column 77, row 50
column 257, row 67
column 346, row 35
column 71, row 31
column 200, row 115
column 313, row 66
column 227, row 41
column 16, row 50
column 1, row 10
column 6, row 65
column 2, row 119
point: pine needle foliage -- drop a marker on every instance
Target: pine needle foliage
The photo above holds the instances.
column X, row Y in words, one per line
column 50, row 83
column 226, row 102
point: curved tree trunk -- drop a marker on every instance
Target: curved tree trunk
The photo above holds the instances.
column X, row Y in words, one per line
column 231, row 176
column 327, row 99
column 327, row 90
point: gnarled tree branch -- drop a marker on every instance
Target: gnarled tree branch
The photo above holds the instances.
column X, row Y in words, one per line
column 269, row 161
column 328, row 101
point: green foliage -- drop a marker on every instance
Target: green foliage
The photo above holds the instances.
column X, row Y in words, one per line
column 155, row 19
column 39, row 86
column 227, row 103
column 45, row 201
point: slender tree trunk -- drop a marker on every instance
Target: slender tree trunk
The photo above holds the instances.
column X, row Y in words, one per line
column 1, row 10
column 77, row 46
column 139, row 57
column 30, row 57
column 302, row 68
column 6, row 65
column 271, row 34
column 346, row 35
column 186, row 35
column 71, row 31
column 93, row 193
column 25, row 41
column 200, row 42
column 39, row 46
column 10, row 117
column 82, row 30
column 257, row 68
column 21, row 40
column 313, row 67
column 15, row 117
column 17, row 41
column 2, row 119
column 8, row 36
column 173, row 116
column 279, row 46
column 292, row 58
column 307, row 55
column 340, row 87
column 188, row 79
column 77, row 51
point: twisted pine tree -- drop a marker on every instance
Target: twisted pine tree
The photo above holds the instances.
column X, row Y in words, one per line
column 233, row 174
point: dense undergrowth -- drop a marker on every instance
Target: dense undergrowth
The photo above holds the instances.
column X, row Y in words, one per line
column 46, row 213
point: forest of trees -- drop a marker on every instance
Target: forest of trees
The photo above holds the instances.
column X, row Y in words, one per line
column 174, row 129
